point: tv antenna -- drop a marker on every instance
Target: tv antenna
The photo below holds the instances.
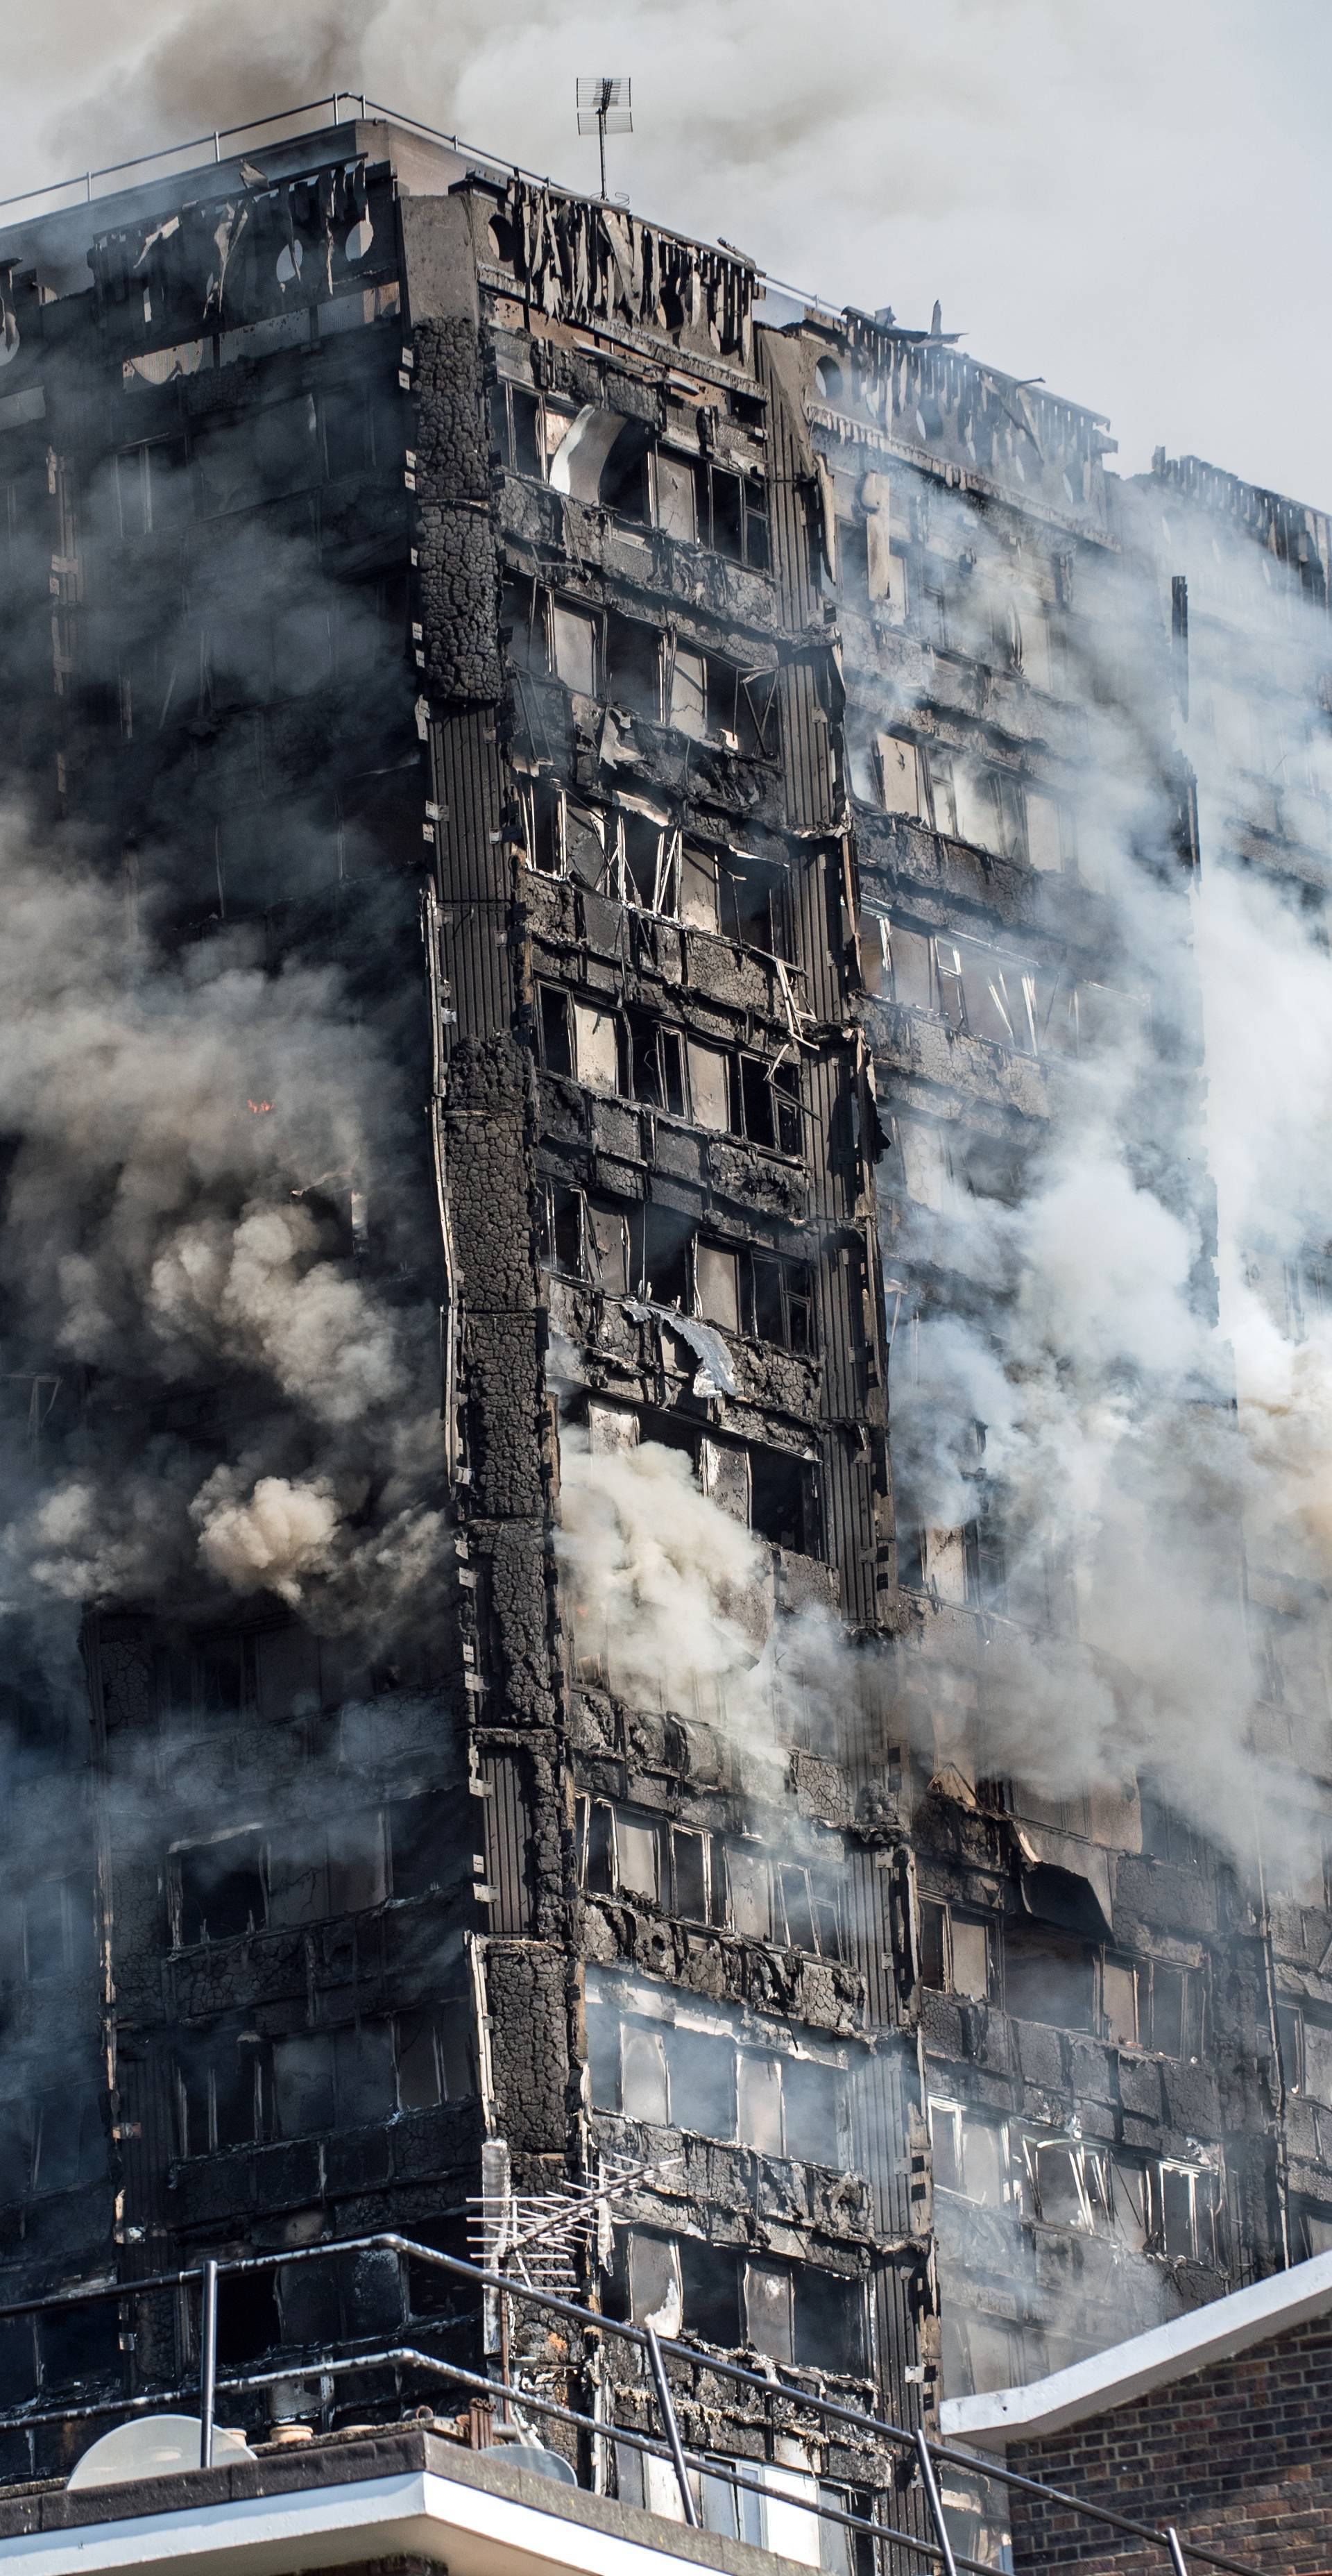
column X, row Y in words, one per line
column 603, row 108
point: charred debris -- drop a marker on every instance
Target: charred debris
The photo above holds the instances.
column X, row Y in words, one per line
column 398, row 554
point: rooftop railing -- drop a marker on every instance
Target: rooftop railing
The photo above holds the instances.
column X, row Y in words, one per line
column 80, row 190
column 511, row 2400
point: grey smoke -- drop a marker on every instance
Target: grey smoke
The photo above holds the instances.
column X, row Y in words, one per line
column 1063, row 179
column 169, row 1110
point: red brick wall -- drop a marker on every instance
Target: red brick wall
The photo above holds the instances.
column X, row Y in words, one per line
column 1238, row 2457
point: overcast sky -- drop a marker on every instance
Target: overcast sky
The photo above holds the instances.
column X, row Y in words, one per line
column 1130, row 198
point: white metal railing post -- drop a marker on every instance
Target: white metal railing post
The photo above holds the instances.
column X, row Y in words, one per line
column 672, row 2429
column 207, row 2365
column 935, row 2502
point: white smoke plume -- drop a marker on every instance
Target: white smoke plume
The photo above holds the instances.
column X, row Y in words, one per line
column 1074, row 1388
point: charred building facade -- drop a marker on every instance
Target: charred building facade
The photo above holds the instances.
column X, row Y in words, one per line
column 682, row 731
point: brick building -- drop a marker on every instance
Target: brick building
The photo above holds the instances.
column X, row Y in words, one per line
column 1216, row 2424
column 412, row 561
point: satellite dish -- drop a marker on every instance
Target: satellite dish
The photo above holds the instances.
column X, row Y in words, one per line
column 153, row 2446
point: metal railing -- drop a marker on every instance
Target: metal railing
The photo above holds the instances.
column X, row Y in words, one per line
column 511, row 2399
column 366, row 108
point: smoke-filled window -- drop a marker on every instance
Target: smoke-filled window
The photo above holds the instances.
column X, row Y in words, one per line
column 517, row 429
column 53, row 2139
column 235, row 2088
column 714, row 2077
column 706, row 1877
column 800, row 2314
column 970, row 2153
column 575, row 647
column 153, row 488
column 1049, row 1976
column 1305, row 2047
column 715, row 701
column 956, row 1951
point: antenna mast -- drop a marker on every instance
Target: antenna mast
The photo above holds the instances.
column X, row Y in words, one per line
column 603, row 108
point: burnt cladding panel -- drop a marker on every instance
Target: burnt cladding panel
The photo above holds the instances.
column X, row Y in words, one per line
column 866, row 1899
column 880, row 2149
column 807, row 774
column 791, row 472
column 508, row 1832
column 474, row 871
column 848, row 1502
column 817, row 940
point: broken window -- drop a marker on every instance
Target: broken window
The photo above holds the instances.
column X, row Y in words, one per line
column 717, row 1286
column 759, row 2103
column 1049, row 833
column 779, row 1499
column 688, row 710
column 624, row 476
column 419, row 1856
column 363, row 2073
column 715, row 701
column 884, row 548
column 575, row 647
column 220, row 1894
column 1056, row 2170
column 560, row 1218
column 638, row 1858
column 525, row 616
column 646, row 857
column 1185, row 2205
column 780, row 1306
column 657, row 1060
column 517, row 430
column 218, row 2092
column 954, row 1951
column 652, row 2267
column 698, row 890
column 702, row 2070
column 829, row 2322
column 691, row 1875
column 768, row 2307
column 660, row 1240
column 153, row 488
column 598, row 1037
column 67, row 2138
column 986, row 995
column 973, row 802
column 709, row 1086
column 1049, row 1976
column 769, row 1101
column 1305, row 2044
column 754, row 903
column 633, row 666
column 555, row 1028
column 733, row 514
column 1119, row 2002
column 898, row 775
column 749, row 1892
column 675, row 495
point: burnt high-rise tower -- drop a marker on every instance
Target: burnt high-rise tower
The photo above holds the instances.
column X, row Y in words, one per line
column 469, row 651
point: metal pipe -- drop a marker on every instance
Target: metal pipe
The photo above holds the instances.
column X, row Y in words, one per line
column 935, row 2502
column 1176, row 2553
column 672, row 2430
column 207, row 2365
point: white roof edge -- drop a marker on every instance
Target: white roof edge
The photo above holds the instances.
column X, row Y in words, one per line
column 1127, row 2370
